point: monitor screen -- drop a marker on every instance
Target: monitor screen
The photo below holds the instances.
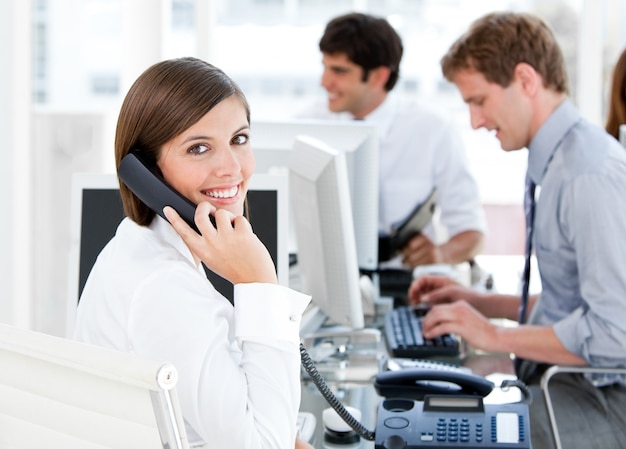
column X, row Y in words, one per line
column 273, row 143
column 327, row 256
column 97, row 210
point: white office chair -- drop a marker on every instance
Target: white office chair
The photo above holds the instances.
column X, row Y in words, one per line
column 58, row 393
column 557, row 369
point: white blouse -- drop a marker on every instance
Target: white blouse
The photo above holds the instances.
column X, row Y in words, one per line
column 239, row 367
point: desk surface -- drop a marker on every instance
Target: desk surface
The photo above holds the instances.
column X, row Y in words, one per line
column 351, row 379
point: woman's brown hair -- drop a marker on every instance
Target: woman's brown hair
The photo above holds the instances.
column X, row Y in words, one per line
column 617, row 98
column 164, row 101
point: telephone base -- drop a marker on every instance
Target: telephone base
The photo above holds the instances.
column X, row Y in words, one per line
column 451, row 421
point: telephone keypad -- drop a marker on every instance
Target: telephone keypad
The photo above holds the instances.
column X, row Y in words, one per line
column 455, row 430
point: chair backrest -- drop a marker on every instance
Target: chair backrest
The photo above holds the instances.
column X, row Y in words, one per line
column 59, row 393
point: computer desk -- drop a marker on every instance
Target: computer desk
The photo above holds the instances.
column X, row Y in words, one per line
column 352, row 379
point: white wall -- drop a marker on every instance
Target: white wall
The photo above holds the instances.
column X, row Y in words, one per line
column 79, row 140
column 15, row 177
column 63, row 143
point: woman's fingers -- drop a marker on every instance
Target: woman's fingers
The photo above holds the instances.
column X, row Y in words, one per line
column 181, row 227
column 202, row 218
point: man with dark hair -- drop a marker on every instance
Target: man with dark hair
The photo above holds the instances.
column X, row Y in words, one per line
column 509, row 69
column 419, row 148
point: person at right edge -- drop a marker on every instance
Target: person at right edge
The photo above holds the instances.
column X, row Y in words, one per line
column 617, row 97
column 509, row 69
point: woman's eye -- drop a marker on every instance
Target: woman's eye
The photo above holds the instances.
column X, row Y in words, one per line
column 199, row 149
column 240, row 139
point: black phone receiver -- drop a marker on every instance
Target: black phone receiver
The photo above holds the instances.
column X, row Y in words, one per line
column 415, row 383
column 151, row 188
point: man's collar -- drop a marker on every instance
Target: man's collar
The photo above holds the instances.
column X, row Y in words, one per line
column 549, row 137
column 382, row 116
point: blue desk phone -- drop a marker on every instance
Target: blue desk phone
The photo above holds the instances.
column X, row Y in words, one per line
column 458, row 421
column 425, row 408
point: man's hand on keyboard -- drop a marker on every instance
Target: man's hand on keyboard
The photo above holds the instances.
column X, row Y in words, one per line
column 435, row 289
column 462, row 319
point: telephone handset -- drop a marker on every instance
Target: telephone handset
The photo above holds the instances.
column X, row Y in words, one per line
column 415, row 383
column 150, row 187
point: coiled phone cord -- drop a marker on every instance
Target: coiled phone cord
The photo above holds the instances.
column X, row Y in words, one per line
column 527, row 396
column 330, row 397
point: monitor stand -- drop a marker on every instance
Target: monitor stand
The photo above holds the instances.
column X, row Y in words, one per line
column 341, row 353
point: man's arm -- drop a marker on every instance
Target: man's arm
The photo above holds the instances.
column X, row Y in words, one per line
column 434, row 289
column 538, row 343
column 460, row 248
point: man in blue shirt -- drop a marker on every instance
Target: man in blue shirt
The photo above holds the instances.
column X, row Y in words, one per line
column 510, row 71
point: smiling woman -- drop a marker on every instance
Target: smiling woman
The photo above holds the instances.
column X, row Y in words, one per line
column 147, row 292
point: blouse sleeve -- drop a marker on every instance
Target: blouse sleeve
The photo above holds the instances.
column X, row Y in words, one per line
column 239, row 367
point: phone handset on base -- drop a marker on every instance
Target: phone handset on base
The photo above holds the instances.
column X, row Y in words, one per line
column 415, row 383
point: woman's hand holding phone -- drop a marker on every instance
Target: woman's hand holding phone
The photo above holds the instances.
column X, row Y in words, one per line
column 229, row 248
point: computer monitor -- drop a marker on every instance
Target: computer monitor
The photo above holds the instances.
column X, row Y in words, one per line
column 272, row 142
column 96, row 211
column 327, row 255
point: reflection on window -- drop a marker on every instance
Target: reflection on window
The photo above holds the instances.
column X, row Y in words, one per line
column 183, row 14
column 280, row 38
column 105, row 84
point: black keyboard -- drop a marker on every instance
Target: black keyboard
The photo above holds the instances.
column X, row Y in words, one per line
column 403, row 333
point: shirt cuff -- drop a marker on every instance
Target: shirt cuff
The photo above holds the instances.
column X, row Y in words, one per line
column 268, row 311
column 574, row 333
